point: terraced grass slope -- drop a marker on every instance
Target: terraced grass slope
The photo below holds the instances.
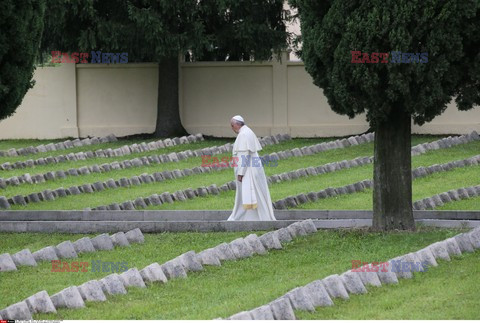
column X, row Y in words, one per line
column 216, row 291
column 422, row 187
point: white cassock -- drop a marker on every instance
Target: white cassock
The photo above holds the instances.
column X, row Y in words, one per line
column 252, row 197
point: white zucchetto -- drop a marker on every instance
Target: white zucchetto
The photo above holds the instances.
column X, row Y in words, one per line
column 238, row 118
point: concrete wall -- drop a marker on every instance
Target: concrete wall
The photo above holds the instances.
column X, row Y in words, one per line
column 277, row 97
column 49, row 110
column 87, row 100
column 116, row 98
column 274, row 97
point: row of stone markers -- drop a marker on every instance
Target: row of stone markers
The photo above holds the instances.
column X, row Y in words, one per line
column 146, row 178
column 158, row 177
column 182, row 195
column 113, row 284
column 67, row 144
column 189, row 193
column 290, row 201
column 67, row 249
column 320, row 293
column 125, row 164
column 297, row 200
column 428, row 203
column 445, row 143
column 425, row 171
column 107, row 153
column 49, row 195
column 441, row 199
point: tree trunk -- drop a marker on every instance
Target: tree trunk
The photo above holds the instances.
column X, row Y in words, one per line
column 392, row 188
column 168, row 114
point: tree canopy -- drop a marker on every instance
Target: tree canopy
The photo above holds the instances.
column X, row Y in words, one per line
column 395, row 60
column 21, row 26
column 152, row 30
column 157, row 31
column 448, row 31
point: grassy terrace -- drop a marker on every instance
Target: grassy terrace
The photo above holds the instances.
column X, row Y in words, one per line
column 191, row 162
column 433, row 295
column 216, row 291
column 422, row 187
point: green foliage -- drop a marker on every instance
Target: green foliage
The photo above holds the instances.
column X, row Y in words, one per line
column 449, row 31
column 216, row 291
column 422, row 187
column 150, row 30
column 21, row 25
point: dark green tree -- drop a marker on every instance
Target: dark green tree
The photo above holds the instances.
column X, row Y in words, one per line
column 392, row 94
column 157, row 31
column 21, row 25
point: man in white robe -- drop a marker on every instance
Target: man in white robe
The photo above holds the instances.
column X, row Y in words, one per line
column 252, row 197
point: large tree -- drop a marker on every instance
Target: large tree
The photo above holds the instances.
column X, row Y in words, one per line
column 157, row 31
column 392, row 94
column 21, row 25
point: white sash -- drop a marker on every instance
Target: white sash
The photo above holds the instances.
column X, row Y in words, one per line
column 249, row 198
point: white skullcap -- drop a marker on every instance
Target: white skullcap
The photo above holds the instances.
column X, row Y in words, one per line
column 238, row 118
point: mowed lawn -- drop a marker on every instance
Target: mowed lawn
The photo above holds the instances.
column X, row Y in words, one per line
column 449, row 291
column 422, row 187
column 245, row 284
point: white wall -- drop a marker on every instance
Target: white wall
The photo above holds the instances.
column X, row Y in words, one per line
column 48, row 110
column 116, row 98
column 274, row 97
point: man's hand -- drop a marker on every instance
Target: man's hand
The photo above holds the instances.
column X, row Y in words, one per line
column 239, row 178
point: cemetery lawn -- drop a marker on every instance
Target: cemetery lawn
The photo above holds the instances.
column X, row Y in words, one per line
column 422, row 187
column 446, row 292
column 245, row 284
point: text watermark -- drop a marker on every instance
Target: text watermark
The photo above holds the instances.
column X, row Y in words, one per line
column 397, row 266
column 95, row 266
column 97, row 57
column 244, row 161
column 395, row 57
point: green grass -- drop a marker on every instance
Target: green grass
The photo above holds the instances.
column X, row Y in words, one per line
column 191, row 162
column 469, row 204
column 446, row 292
column 217, row 291
column 92, row 161
column 23, row 143
column 219, row 177
column 187, row 163
column 423, row 187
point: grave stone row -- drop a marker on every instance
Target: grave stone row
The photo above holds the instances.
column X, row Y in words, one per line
column 425, row 171
column 67, row 144
column 100, row 153
column 97, row 290
column 445, row 143
column 320, row 293
column 441, row 199
column 48, row 195
column 189, row 193
column 67, row 249
column 295, row 201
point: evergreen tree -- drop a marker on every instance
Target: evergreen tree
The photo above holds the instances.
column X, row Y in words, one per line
column 392, row 94
column 21, row 25
column 157, row 31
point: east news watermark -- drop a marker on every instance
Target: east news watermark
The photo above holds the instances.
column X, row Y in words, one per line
column 397, row 266
column 31, row 321
column 96, row 57
column 244, row 161
column 395, row 57
column 59, row 266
